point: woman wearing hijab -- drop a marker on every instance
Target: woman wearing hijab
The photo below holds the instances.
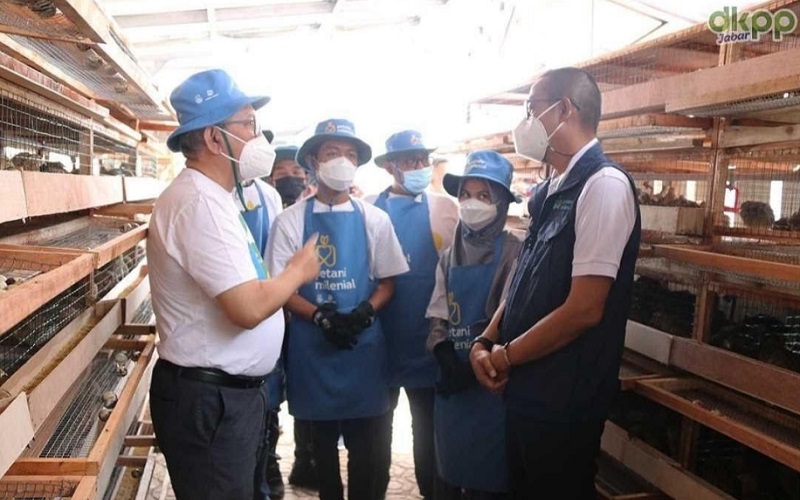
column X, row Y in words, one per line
column 469, row 421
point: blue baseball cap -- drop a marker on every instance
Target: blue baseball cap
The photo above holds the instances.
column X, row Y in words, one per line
column 288, row 152
column 205, row 99
column 334, row 128
column 407, row 141
column 484, row 164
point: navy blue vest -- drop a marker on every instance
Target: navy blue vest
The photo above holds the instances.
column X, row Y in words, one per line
column 579, row 381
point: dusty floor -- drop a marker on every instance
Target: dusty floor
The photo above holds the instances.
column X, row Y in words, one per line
column 402, row 485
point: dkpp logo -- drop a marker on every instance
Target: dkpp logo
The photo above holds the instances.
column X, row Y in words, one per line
column 733, row 26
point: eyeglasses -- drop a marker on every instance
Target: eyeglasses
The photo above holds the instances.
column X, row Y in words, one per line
column 252, row 123
column 410, row 162
column 529, row 105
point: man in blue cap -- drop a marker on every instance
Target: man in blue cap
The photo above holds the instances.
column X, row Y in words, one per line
column 555, row 345
column 289, row 178
column 424, row 223
column 218, row 313
column 336, row 353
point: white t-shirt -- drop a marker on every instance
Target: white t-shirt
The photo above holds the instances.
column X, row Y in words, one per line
column 604, row 219
column 271, row 197
column 385, row 253
column 197, row 248
column 442, row 213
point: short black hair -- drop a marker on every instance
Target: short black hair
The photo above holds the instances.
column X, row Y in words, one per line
column 191, row 143
column 579, row 87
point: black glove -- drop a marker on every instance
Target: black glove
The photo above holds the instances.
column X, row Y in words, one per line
column 335, row 326
column 457, row 376
column 362, row 316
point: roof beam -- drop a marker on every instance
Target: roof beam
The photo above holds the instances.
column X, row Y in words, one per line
column 223, row 14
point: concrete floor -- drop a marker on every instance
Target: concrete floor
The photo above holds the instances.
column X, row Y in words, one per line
column 401, row 487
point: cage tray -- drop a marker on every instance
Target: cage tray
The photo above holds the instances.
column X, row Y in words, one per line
column 772, row 432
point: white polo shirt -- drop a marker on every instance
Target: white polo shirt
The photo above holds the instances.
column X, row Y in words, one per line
column 386, row 256
column 442, row 213
column 197, row 248
column 604, row 219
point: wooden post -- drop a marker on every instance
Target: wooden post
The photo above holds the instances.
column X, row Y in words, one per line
column 86, row 153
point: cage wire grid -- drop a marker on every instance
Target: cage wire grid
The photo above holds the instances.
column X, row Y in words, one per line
column 24, row 340
column 763, row 191
column 108, row 276
column 79, row 426
column 664, row 296
column 35, row 138
column 33, row 490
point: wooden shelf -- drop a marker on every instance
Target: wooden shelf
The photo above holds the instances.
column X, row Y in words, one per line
column 673, row 220
column 774, row 433
column 13, row 195
column 637, row 367
column 60, row 270
column 47, row 376
column 701, row 256
column 653, row 125
column 101, row 459
column 75, row 192
column 748, row 376
column 655, row 467
column 47, row 487
column 649, row 342
column 761, row 234
column 615, row 482
column 118, row 237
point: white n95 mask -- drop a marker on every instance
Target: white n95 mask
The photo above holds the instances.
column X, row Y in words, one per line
column 337, row 174
column 530, row 136
column 476, row 214
column 257, row 158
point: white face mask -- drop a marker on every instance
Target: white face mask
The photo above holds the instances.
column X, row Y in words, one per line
column 257, row 158
column 337, row 173
column 530, row 136
column 476, row 214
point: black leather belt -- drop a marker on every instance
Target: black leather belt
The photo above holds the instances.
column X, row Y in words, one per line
column 212, row 376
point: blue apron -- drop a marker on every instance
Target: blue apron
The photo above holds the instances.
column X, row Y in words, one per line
column 403, row 318
column 470, row 426
column 326, row 383
column 258, row 222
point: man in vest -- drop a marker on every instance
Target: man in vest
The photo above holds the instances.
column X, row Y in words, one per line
column 555, row 346
column 424, row 223
column 336, row 353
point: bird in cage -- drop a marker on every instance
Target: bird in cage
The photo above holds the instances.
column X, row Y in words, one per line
column 53, row 167
column 27, row 161
column 756, row 214
column 791, row 223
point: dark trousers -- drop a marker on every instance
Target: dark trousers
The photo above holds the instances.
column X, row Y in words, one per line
column 363, row 443
column 303, row 446
column 214, row 438
column 444, row 491
column 552, row 461
column 420, row 401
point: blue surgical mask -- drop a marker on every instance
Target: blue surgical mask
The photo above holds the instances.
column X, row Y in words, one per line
column 415, row 181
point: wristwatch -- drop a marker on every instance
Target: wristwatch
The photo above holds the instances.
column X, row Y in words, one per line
column 487, row 343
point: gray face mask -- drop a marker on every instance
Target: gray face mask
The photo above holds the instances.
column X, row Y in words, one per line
column 477, row 246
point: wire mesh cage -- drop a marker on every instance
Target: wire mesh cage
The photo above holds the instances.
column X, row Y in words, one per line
column 114, row 158
column 654, row 424
column 664, row 296
column 39, row 139
column 96, row 232
column 685, row 52
column 742, row 472
column 144, row 314
column 149, row 165
column 38, row 488
column 763, row 194
column 759, row 326
column 39, row 19
column 21, row 342
column 109, row 275
column 95, row 397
